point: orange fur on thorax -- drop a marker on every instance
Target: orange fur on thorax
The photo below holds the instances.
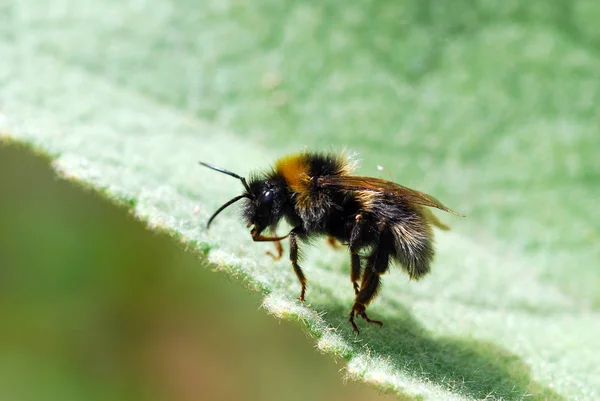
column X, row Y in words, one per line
column 294, row 169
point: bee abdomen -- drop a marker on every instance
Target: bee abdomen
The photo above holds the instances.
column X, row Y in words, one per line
column 413, row 246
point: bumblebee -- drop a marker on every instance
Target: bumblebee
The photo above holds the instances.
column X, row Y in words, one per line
column 380, row 222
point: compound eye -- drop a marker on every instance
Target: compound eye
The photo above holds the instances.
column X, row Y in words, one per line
column 268, row 197
column 265, row 204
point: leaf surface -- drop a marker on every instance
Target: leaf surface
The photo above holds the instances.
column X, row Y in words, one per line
column 493, row 109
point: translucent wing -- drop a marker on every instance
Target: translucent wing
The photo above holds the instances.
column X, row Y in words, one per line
column 351, row 183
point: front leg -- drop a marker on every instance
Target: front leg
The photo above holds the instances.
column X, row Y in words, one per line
column 277, row 240
column 294, row 259
column 293, row 253
column 262, row 238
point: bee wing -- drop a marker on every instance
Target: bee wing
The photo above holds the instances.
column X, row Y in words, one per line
column 352, row 183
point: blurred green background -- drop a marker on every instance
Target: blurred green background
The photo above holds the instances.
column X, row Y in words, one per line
column 94, row 306
column 492, row 106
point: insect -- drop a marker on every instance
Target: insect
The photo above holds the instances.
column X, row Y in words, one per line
column 379, row 221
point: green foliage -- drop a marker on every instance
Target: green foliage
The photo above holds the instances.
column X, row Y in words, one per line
column 492, row 107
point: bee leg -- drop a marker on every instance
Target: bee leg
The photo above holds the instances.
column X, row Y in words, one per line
column 294, row 260
column 333, row 243
column 360, row 310
column 377, row 264
column 369, row 286
column 368, row 290
column 354, row 257
column 278, row 249
column 351, row 319
column 354, row 276
column 355, row 272
column 275, row 239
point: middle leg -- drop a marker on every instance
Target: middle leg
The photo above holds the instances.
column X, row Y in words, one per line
column 278, row 249
column 294, row 259
column 354, row 246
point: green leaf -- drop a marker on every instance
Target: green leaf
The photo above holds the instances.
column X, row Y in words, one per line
column 491, row 107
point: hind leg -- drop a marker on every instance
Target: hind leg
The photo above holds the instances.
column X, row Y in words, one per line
column 377, row 264
column 370, row 285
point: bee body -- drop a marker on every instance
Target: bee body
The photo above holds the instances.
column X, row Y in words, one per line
column 317, row 194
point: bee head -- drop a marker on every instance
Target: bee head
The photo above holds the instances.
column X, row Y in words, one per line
column 265, row 204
